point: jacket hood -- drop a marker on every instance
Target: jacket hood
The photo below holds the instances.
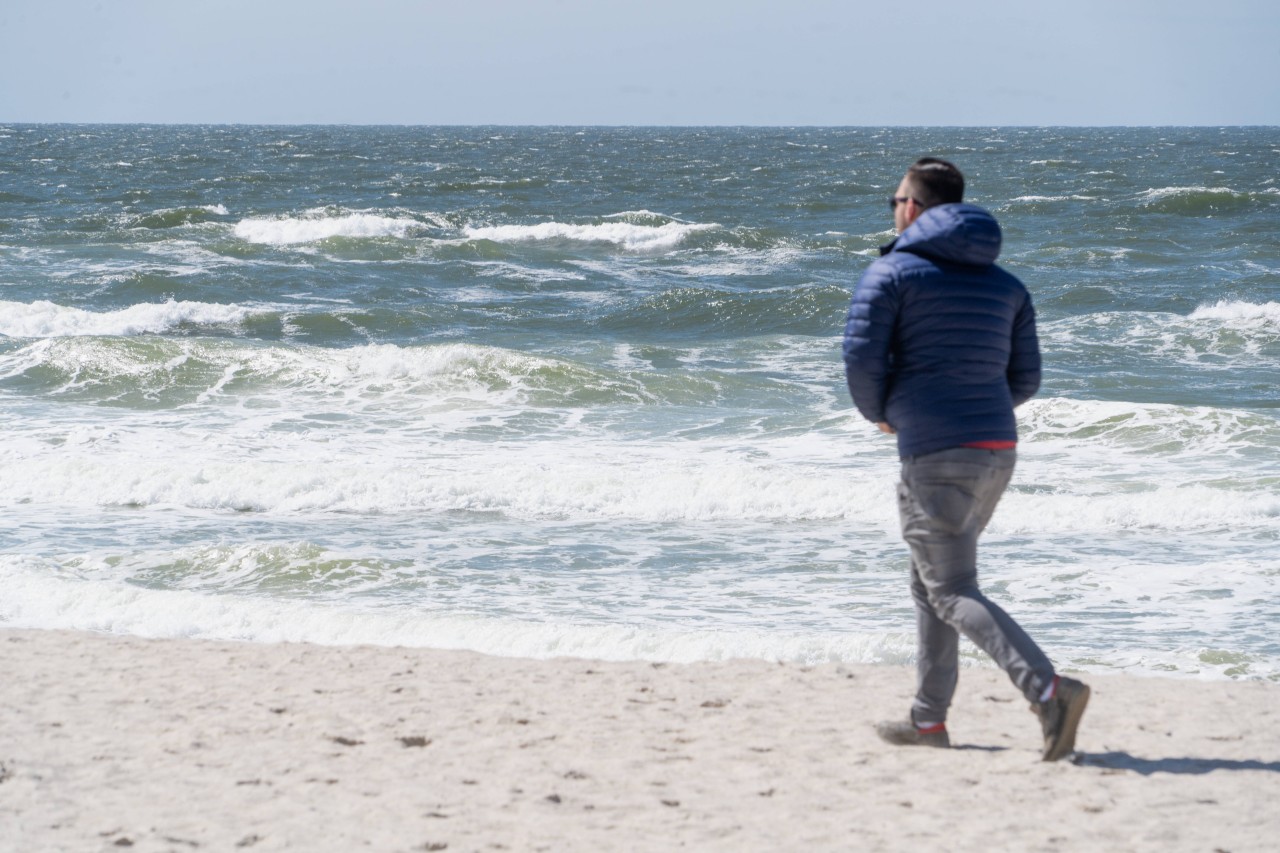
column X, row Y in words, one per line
column 956, row 233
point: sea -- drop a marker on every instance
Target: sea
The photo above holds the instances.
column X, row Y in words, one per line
column 577, row 391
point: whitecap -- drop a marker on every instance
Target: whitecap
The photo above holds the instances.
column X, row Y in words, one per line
column 315, row 226
column 629, row 236
column 44, row 319
column 1159, row 193
column 1044, row 198
column 1250, row 314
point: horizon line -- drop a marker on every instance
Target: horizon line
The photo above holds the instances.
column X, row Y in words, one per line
column 612, row 125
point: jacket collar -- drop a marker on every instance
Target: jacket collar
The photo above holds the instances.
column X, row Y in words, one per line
column 954, row 233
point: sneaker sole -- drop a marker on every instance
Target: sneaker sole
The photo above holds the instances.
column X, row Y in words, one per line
column 1067, row 739
column 890, row 733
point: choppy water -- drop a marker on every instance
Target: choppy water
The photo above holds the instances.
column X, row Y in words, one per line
column 578, row 391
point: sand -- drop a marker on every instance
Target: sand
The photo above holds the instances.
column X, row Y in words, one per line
column 111, row 743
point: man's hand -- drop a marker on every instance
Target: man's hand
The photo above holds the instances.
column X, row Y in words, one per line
column 884, row 427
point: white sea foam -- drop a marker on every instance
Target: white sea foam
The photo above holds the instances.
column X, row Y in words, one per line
column 47, row 320
column 1152, row 429
column 38, row 595
column 729, row 261
column 1160, row 193
column 1165, row 192
column 321, row 224
column 389, row 369
column 127, row 219
column 86, row 592
column 630, row 236
column 1094, row 467
column 459, row 381
column 1250, row 314
column 216, row 209
column 1045, row 198
column 409, row 406
column 548, row 481
column 1215, row 335
column 1067, row 484
column 517, row 272
column 1176, row 510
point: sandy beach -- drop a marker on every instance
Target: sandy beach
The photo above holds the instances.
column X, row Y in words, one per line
column 111, row 743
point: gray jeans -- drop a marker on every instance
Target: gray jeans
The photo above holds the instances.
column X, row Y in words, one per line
column 945, row 500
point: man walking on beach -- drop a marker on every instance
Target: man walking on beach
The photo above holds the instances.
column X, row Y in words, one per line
column 939, row 348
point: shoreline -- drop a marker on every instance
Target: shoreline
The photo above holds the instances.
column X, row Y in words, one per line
column 114, row 742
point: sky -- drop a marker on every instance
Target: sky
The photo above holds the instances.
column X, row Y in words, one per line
column 643, row 62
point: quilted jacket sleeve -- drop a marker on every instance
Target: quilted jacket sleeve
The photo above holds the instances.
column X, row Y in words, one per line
column 868, row 334
column 1024, row 356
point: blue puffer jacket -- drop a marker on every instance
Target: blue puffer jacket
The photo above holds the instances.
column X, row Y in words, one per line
column 941, row 342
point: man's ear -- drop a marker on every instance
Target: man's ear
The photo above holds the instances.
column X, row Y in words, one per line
column 913, row 211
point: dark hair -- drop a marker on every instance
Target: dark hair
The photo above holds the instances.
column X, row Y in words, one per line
column 935, row 181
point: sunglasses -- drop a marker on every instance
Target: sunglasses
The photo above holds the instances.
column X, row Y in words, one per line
column 896, row 200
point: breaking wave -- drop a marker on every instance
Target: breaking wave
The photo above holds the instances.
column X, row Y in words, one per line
column 324, row 224
column 47, row 320
column 636, row 236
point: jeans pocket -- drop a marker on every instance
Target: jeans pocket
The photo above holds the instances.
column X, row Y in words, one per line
column 948, row 505
column 943, row 495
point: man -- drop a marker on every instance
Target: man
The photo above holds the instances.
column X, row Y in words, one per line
column 939, row 348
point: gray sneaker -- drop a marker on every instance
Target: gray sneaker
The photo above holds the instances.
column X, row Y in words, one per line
column 1060, row 716
column 905, row 733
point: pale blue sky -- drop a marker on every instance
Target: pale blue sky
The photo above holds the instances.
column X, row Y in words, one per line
column 689, row 62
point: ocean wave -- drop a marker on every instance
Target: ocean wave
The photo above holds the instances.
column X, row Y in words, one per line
column 1150, row 429
column 324, row 224
column 1175, row 192
column 1211, row 335
column 1034, row 199
column 727, row 261
column 41, row 594
column 1196, row 200
column 684, row 310
column 1093, row 466
column 1172, row 510
column 162, row 372
column 1088, row 479
column 628, row 235
column 482, row 184
column 1265, row 315
column 564, row 480
column 17, row 198
column 87, row 592
column 47, row 320
column 176, row 216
